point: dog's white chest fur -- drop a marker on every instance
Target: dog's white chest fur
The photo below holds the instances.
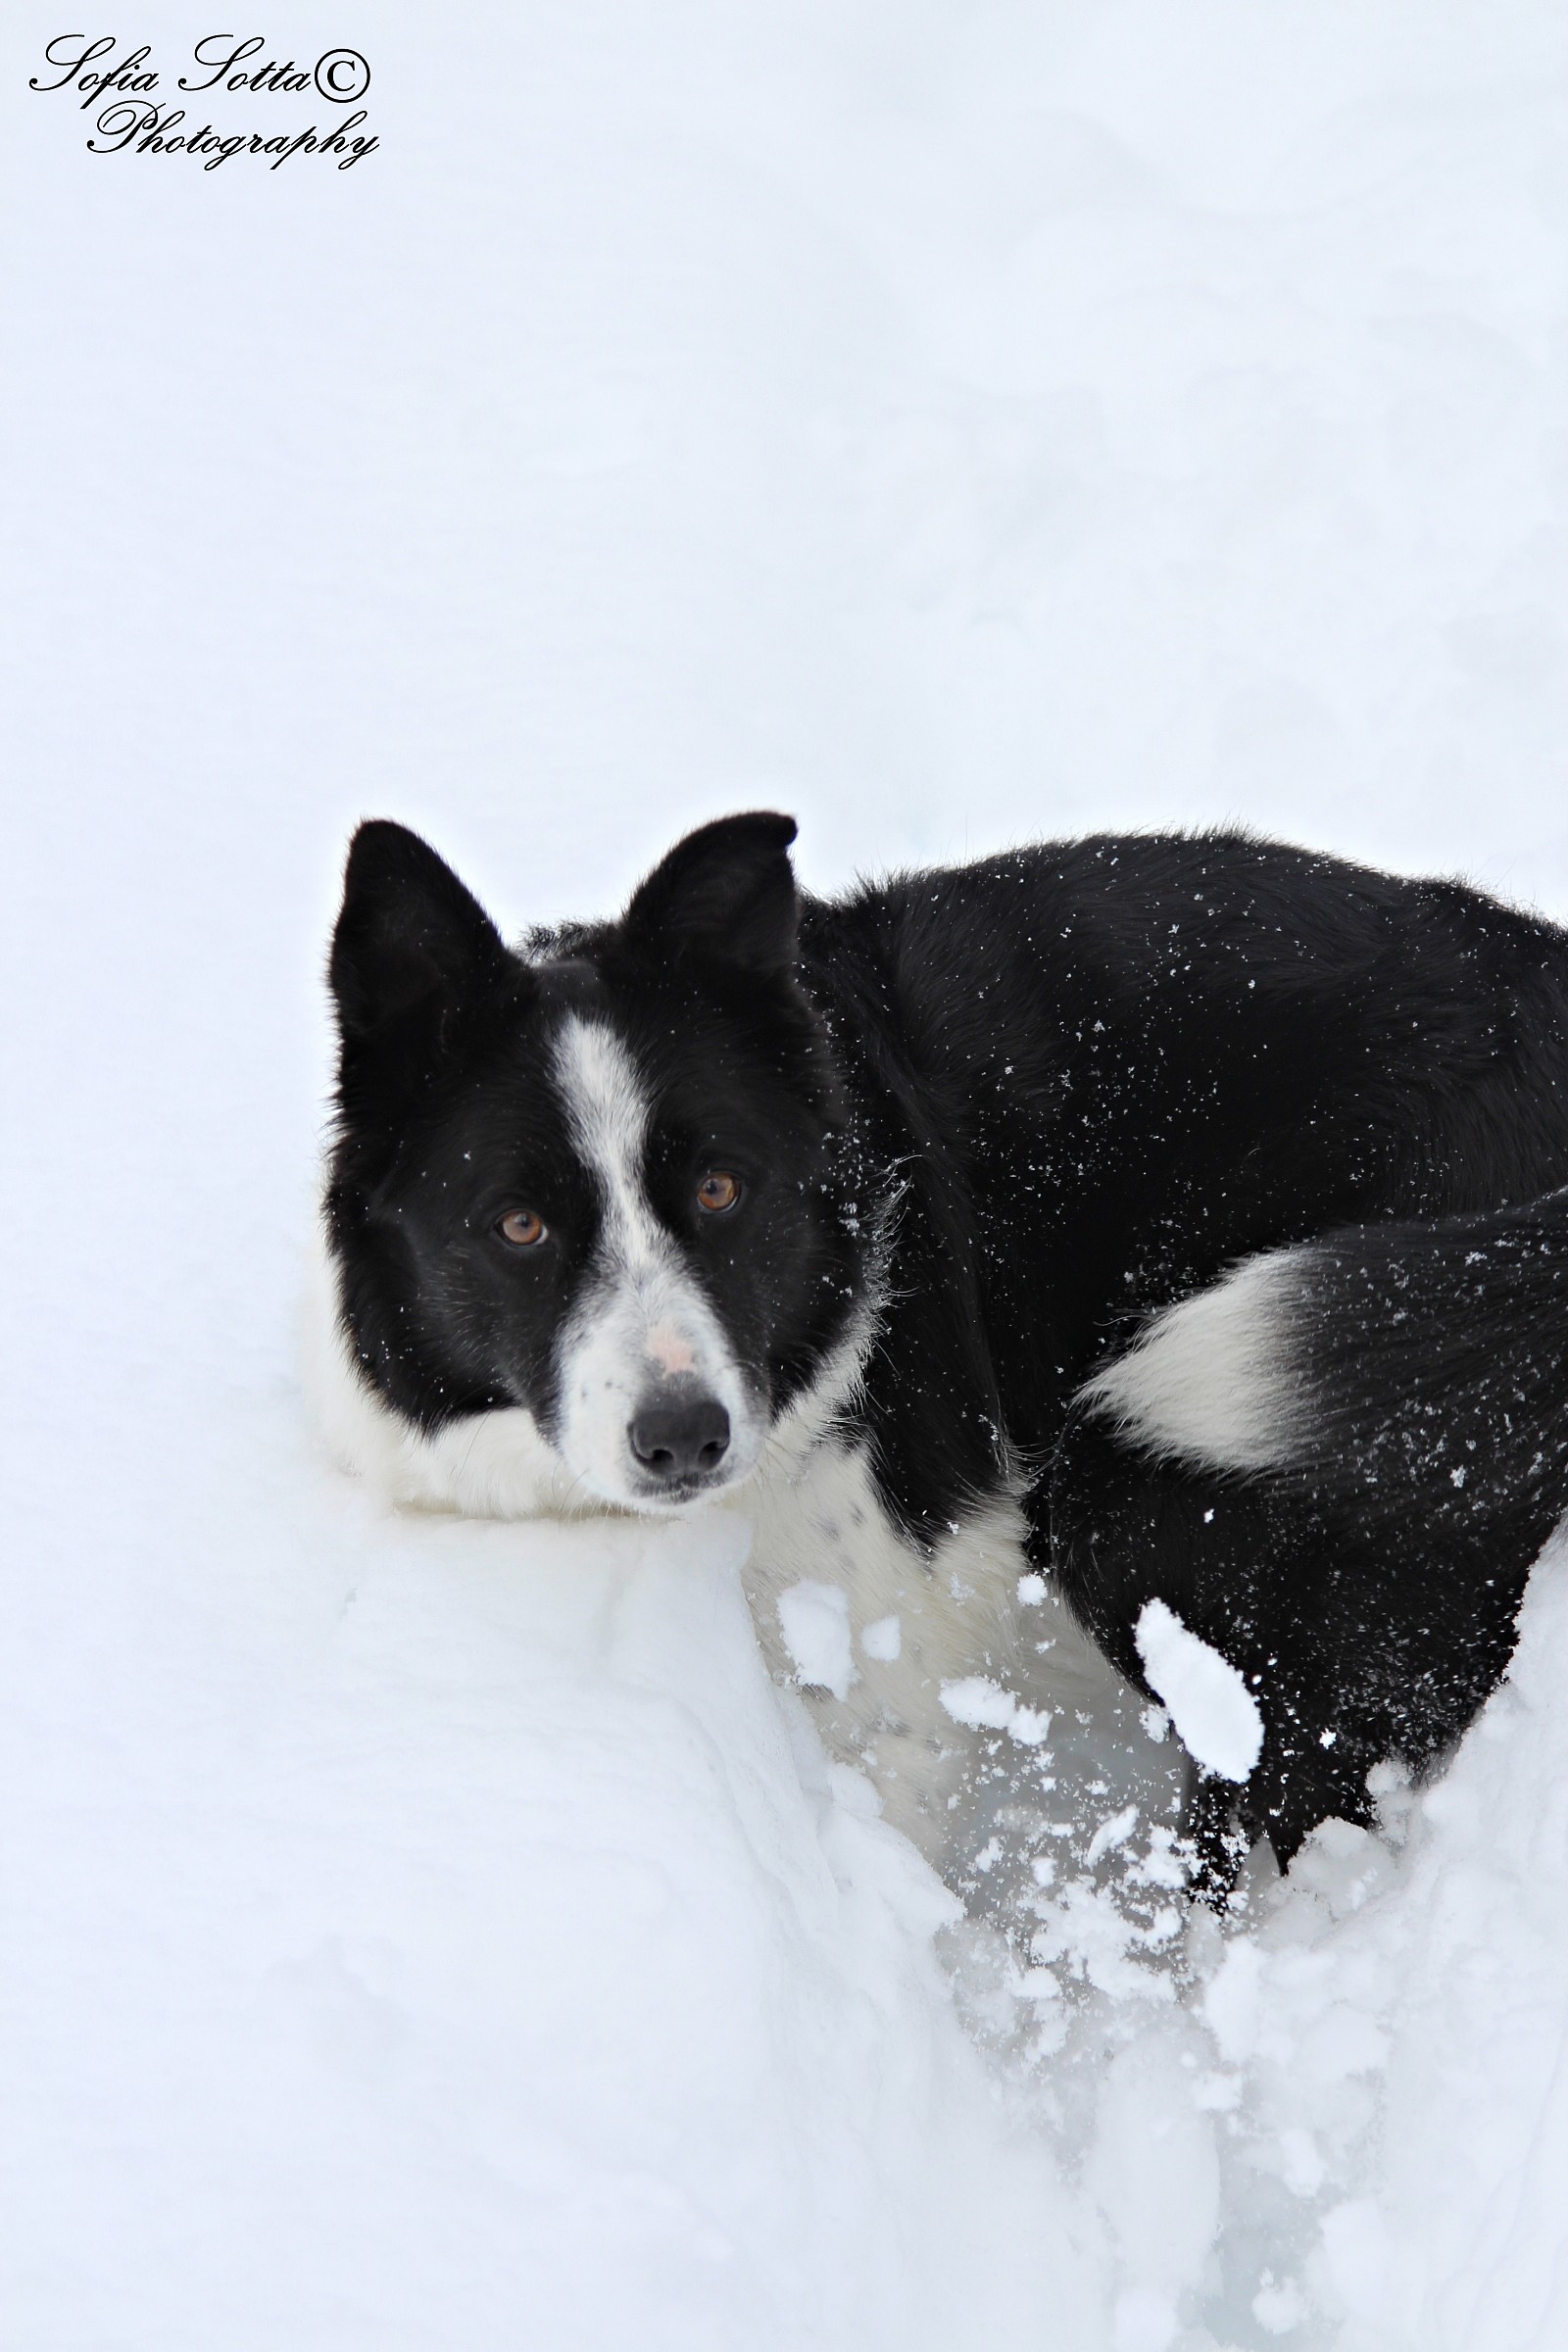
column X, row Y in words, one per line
column 871, row 1629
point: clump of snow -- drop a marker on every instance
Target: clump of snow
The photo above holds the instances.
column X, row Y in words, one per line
column 882, row 1638
column 1216, row 1716
column 976, row 1701
column 814, row 1621
column 1111, row 1834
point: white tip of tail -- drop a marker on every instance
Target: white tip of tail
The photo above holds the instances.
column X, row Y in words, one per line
column 1210, row 1380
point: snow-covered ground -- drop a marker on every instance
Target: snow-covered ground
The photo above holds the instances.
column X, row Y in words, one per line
column 954, row 424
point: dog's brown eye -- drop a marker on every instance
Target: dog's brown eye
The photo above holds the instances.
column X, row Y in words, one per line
column 521, row 1228
column 717, row 1193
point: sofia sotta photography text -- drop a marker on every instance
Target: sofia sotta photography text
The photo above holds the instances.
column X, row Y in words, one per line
column 133, row 111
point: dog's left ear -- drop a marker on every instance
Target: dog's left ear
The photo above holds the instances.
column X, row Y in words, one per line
column 725, row 895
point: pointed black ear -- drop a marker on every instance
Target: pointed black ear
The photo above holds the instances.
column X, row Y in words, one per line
column 409, row 935
column 725, row 895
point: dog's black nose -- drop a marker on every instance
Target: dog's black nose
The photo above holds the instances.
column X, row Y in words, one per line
column 685, row 1438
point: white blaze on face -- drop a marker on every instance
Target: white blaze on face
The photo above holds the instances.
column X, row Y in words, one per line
column 641, row 1323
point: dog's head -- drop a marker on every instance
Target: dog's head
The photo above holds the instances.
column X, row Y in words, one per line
column 597, row 1181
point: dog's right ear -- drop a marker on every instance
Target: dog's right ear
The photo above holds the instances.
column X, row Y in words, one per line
column 410, row 939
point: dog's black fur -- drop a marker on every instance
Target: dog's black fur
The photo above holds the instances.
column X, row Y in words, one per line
column 1018, row 1108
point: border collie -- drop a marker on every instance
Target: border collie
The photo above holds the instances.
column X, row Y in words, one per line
column 1162, row 1216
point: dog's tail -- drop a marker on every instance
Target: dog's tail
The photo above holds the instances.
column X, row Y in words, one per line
column 1413, row 1371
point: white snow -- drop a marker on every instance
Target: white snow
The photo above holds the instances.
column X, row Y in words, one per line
column 814, row 1621
column 883, row 1638
column 1215, row 1715
column 954, row 426
column 975, row 1700
column 1111, row 1834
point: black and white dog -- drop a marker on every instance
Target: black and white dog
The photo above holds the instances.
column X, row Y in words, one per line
column 1164, row 1217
